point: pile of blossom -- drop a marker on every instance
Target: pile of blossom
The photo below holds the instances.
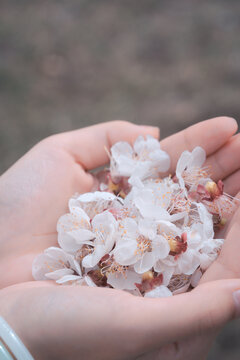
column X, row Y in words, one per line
column 152, row 236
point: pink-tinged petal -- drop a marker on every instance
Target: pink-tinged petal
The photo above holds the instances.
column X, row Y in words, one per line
column 159, row 292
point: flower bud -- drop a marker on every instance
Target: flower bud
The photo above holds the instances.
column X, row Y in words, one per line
column 178, row 245
column 148, row 275
column 213, row 189
column 223, row 221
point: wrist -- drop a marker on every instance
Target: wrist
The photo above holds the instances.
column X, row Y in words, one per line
column 11, row 345
column 15, row 330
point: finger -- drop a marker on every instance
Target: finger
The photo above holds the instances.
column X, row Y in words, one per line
column 88, row 145
column 209, row 134
column 226, row 160
column 171, row 319
column 232, row 183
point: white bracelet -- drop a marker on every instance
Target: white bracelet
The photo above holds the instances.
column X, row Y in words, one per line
column 12, row 342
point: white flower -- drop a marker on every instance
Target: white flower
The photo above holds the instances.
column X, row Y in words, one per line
column 209, row 251
column 140, row 245
column 74, row 230
column 145, row 159
column 56, row 264
column 104, row 227
column 154, row 239
column 183, row 255
column 154, row 198
column 209, row 247
column 92, row 203
column 189, row 167
column 215, row 200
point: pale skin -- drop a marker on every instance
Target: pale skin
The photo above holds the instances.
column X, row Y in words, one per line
column 59, row 322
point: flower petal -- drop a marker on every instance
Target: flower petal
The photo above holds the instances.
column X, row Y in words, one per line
column 124, row 282
column 159, row 292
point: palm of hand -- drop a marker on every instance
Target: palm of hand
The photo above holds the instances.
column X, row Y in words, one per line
column 42, row 199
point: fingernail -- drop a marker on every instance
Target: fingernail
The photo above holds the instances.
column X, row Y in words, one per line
column 236, row 299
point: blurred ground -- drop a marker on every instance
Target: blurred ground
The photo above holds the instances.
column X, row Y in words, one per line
column 65, row 64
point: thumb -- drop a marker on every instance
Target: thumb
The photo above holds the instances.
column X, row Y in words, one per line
column 206, row 308
column 88, row 145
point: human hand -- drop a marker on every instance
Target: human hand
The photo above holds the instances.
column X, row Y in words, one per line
column 214, row 136
column 34, row 193
column 80, row 322
column 226, row 266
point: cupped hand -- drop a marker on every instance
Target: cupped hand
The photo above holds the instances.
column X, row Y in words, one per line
column 34, row 192
column 80, row 322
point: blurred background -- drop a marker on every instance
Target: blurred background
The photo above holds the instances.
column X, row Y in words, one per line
column 68, row 64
